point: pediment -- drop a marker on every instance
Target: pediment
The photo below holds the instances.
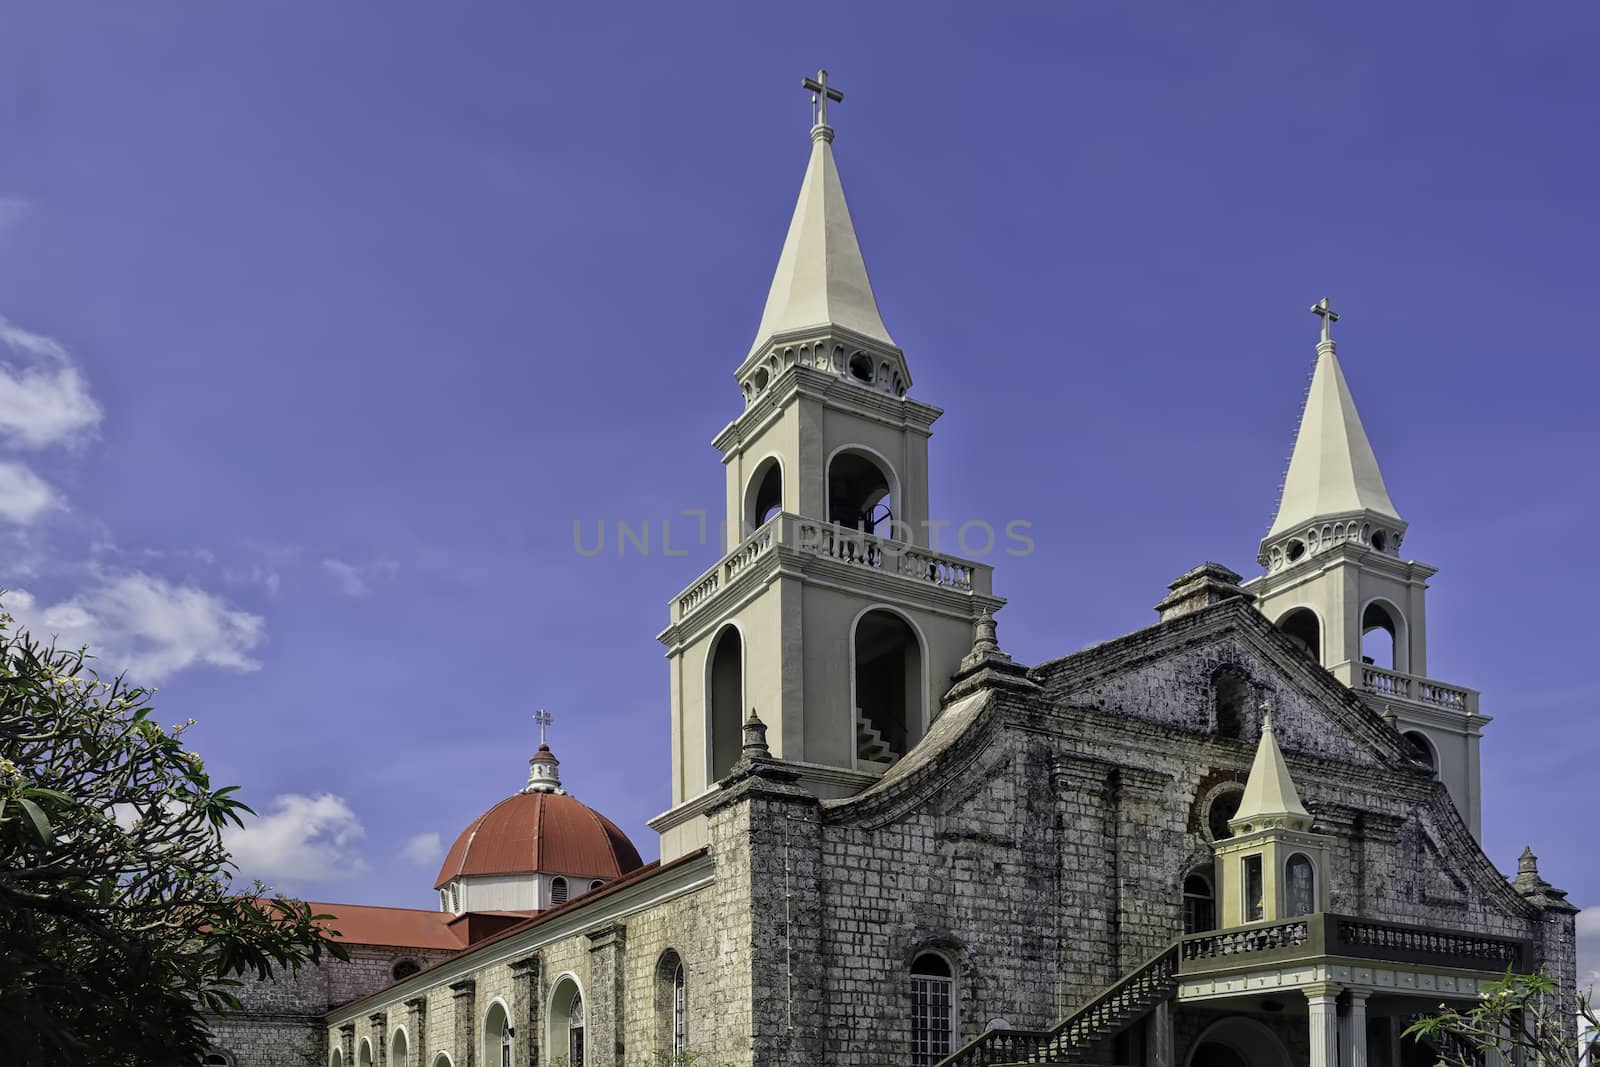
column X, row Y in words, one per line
column 1168, row 675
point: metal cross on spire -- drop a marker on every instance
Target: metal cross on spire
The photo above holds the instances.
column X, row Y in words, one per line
column 544, row 719
column 822, row 93
column 1328, row 316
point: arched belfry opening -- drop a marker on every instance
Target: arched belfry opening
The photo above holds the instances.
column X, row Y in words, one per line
column 764, row 498
column 860, row 494
column 1380, row 633
column 887, row 659
column 725, row 700
column 1302, row 625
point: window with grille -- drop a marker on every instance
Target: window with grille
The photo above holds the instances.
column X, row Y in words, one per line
column 558, row 891
column 680, row 1011
column 574, row 1027
column 932, row 1010
column 1199, row 905
column 505, row 1043
column 1300, row 886
column 1253, row 888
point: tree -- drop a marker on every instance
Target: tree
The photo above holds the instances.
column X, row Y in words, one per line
column 1523, row 1018
column 118, row 931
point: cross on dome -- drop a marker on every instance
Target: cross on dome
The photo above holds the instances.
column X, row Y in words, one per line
column 544, row 719
column 544, row 775
column 822, row 92
column 1322, row 310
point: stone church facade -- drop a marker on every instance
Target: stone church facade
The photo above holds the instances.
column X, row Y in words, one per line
column 1245, row 836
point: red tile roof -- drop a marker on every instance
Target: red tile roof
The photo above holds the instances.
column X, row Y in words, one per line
column 551, row 832
column 365, row 924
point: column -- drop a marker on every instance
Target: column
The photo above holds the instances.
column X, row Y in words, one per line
column 1353, row 1027
column 525, row 1016
column 1158, row 1049
column 417, row 1031
column 464, row 995
column 603, row 1000
column 1322, row 1001
column 347, row 1042
column 379, row 1024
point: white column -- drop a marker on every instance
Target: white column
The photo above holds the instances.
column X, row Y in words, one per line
column 1322, row 1002
column 1353, row 1028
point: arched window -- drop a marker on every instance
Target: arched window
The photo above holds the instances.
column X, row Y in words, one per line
column 497, row 1035
column 859, row 494
column 888, row 687
column 1422, row 750
column 596, row 884
column 1230, row 700
column 404, row 969
column 1378, row 633
column 575, row 1031
column 725, row 701
column 217, row 1059
column 680, row 1010
column 364, row 1053
column 399, row 1050
column 1302, row 625
column 336, row 1058
column 565, row 1023
column 558, row 891
column 1199, row 904
column 1299, row 886
column 933, row 1009
column 671, row 1003
column 764, row 497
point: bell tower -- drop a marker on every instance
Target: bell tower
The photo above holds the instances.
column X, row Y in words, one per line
column 1336, row 582
column 833, row 615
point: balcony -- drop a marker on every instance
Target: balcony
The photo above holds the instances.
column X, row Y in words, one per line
column 1314, row 937
column 1412, row 689
column 786, row 534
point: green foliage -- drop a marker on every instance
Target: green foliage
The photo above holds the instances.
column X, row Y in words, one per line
column 117, row 927
column 1522, row 1017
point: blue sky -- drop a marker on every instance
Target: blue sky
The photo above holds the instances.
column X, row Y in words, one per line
column 323, row 323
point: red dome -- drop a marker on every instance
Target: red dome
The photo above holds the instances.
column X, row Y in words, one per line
column 549, row 832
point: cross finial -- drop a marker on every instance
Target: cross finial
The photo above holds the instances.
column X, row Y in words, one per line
column 544, row 719
column 822, row 92
column 1328, row 317
column 1266, row 713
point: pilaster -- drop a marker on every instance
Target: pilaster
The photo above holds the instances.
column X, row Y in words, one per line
column 417, row 1030
column 347, row 1042
column 604, row 1003
column 525, row 1016
column 378, row 1024
column 464, row 1011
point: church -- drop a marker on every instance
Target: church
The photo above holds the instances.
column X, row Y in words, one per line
column 1244, row 836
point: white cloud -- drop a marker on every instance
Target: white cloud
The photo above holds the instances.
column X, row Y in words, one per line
column 301, row 839
column 44, row 399
column 24, row 496
column 145, row 625
column 423, row 849
column 1589, row 949
column 358, row 579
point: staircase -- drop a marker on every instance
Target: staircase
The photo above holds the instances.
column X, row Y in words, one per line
column 870, row 745
column 1071, row 1040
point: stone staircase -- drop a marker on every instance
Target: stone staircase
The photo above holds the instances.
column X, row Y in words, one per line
column 1071, row 1040
column 870, row 745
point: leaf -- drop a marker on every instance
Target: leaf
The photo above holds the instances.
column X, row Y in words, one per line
column 41, row 822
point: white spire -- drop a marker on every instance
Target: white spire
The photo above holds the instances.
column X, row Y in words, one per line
column 821, row 278
column 1333, row 470
column 1270, row 797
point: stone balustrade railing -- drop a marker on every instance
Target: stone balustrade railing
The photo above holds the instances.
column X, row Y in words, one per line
column 846, row 545
column 1323, row 934
column 1395, row 685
